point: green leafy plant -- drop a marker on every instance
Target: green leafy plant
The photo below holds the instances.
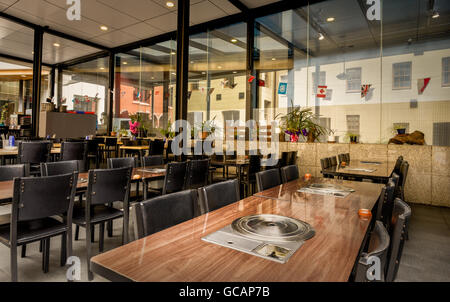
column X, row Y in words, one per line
column 167, row 131
column 301, row 121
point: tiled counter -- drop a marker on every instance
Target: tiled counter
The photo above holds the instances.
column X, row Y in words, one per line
column 428, row 180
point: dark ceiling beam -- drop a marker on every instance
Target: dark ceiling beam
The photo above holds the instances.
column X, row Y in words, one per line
column 239, row 5
column 228, row 38
column 206, row 48
column 364, row 7
column 19, row 59
column 84, row 59
column 48, row 30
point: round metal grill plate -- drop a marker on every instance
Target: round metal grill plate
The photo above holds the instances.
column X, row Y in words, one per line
column 269, row 227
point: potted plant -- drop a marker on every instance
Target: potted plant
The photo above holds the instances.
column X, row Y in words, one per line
column 400, row 129
column 301, row 121
column 332, row 137
column 114, row 132
column 353, row 137
column 167, row 132
column 207, row 128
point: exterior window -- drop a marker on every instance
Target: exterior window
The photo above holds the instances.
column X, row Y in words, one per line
column 353, row 79
column 241, row 95
column 353, row 124
column 401, row 73
column 218, row 97
column 446, row 72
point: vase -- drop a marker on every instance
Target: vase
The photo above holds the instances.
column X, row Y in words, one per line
column 311, row 137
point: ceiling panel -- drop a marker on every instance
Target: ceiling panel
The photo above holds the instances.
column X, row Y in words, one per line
column 257, row 3
column 142, row 10
column 165, row 23
column 198, row 14
column 226, row 6
column 142, row 30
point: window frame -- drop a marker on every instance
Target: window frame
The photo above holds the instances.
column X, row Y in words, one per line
column 445, row 71
column 347, row 90
column 410, row 76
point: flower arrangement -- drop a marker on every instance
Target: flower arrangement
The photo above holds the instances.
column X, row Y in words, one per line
column 301, row 121
column 135, row 124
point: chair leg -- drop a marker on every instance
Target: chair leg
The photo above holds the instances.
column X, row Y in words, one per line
column 46, row 255
column 101, row 238
column 24, row 251
column 92, row 233
column 110, row 228
column 40, row 246
column 88, row 253
column 63, row 249
column 77, row 232
column 13, row 251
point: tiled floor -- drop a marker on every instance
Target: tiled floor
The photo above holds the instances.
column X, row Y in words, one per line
column 426, row 255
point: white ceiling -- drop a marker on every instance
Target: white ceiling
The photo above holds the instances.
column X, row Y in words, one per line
column 127, row 21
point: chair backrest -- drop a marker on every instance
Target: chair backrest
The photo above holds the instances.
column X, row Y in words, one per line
column 155, row 160
column 92, row 146
column 163, row 212
column 328, row 161
column 156, row 147
column 289, row 173
column 402, row 180
column 398, row 228
column 292, row 158
column 115, row 163
column 378, row 247
column 267, row 179
column 254, row 165
column 32, row 199
column 12, row 171
column 324, row 163
column 73, row 151
column 396, row 180
column 342, row 158
column 197, row 174
column 59, row 168
column 347, row 157
column 398, row 164
column 218, row 195
column 284, row 159
column 111, row 142
column 386, row 203
column 174, row 180
column 333, row 161
column 34, row 152
column 108, row 186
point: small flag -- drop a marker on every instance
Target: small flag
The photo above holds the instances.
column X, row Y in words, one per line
column 261, row 83
column 250, row 79
column 322, row 91
column 422, row 85
column 365, row 90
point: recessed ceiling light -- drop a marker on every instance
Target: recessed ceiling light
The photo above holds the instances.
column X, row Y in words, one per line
column 170, row 4
column 233, row 41
column 125, row 63
column 102, row 68
column 321, row 37
column 104, row 28
column 274, row 59
column 435, row 15
column 330, row 19
column 23, row 76
column 203, row 72
column 234, row 72
column 192, row 62
column 153, row 78
column 173, row 53
column 56, row 44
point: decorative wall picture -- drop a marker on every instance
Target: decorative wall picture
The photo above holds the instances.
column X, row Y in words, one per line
column 365, row 89
column 282, row 88
column 422, row 84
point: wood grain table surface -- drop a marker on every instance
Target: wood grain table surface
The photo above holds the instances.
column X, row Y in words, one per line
column 178, row 254
column 356, row 169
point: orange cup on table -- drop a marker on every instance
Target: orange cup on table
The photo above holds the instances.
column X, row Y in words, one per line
column 308, row 176
column 343, row 164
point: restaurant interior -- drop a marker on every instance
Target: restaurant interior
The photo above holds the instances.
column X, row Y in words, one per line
column 350, row 97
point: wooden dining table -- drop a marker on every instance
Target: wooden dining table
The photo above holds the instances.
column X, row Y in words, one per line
column 376, row 171
column 138, row 175
column 178, row 254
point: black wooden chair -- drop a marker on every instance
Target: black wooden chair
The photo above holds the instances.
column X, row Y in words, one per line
column 197, row 174
column 342, row 158
column 289, row 173
column 248, row 176
column 104, row 188
column 398, row 229
column 156, row 147
column 60, row 168
column 333, row 161
column 378, row 247
column 174, row 180
column 115, row 163
column 325, row 164
column 163, row 212
column 34, row 153
column 75, row 151
column 267, row 179
column 149, row 161
column 402, row 180
column 33, row 209
column 386, row 204
column 398, row 164
column 12, row 171
column 292, row 159
column 93, row 153
column 110, row 147
column 218, row 195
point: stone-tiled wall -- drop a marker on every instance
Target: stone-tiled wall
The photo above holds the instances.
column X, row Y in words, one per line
column 428, row 180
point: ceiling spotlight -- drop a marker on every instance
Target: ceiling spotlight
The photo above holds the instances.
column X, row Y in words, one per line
column 23, row 76
column 330, row 19
column 435, row 15
column 274, row 59
column 321, row 37
column 173, row 53
column 102, row 68
column 220, row 67
column 153, row 78
column 233, row 41
column 56, row 44
column 192, row 62
column 170, row 4
column 234, row 72
column 125, row 63
column 203, row 72
column 173, row 73
column 104, row 28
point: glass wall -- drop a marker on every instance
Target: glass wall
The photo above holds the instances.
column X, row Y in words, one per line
column 365, row 71
column 85, row 89
column 217, row 77
column 145, row 88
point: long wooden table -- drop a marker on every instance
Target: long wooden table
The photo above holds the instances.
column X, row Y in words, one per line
column 355, row 169
column 178, row 254
column 7, row 187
